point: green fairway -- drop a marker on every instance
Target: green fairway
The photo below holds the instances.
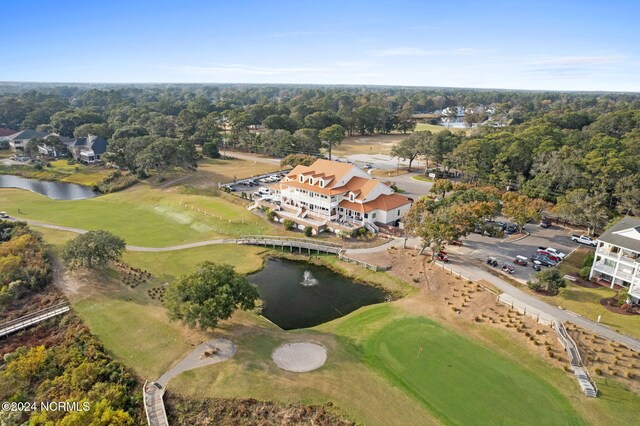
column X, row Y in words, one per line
column 458, row 380
column 139, row 335
column 170, row 264
column 141, row 215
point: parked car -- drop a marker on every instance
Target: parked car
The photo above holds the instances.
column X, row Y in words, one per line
column 543, row 260
column 4, row 215
column 492, row 261
column 510, row 229
column 263, row 190
column 545, row 223
column 549, row 255
column 536, row 265
column 368, row 166
column 583, row 239
column 554, row 252
column 520, row 260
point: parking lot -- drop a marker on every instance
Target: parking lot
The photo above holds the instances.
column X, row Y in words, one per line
column 482, row 247
column 254, row 185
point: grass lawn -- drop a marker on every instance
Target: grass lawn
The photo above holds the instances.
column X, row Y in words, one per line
column 139, row 335
column 213, row 171
column 586, row 302
column 80, row 173
column 6, row 153
column 371, row 144
column 141, row 215
column 432, row 364
column 382, row 173
column 171, row 264
column 349, row 384
column 422, row 178
column 435, row 128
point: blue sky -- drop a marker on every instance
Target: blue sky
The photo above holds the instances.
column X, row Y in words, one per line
column 558, row 45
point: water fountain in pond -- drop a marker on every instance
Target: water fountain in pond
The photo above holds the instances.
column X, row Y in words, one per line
column 308, row 280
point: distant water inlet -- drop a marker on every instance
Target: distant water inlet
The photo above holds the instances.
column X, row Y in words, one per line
column 55, row 190
column 300, row 295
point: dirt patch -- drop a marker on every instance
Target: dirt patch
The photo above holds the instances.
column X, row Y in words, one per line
column 300, row 357
column 249, row 411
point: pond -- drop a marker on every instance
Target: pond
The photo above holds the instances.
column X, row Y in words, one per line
column 300, row 295
column 55, row 190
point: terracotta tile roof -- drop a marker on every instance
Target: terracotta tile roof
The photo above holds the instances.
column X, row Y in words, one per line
column 322, row 168
column 383, row 202
column 313, row 188
column 359, row 185
column 6, row 132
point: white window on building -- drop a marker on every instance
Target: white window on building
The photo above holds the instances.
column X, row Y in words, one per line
column 373, row 215
column 301, row 179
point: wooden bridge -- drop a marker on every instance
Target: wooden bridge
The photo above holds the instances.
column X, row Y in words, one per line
column 290, row 243
column 32, row 319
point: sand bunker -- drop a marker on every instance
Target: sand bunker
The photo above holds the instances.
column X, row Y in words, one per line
column 299, row 357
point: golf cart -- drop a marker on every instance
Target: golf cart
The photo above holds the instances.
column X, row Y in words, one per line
column 521, row 260
column 508, row 269
column 492, row 261
column 442, row 256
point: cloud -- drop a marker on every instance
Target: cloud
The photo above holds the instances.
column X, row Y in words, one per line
column 417, row 51
column 405, row 51
column 569, row 61
column 238, row 69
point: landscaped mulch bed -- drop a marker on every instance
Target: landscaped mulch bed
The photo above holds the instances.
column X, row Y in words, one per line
column 611, row 303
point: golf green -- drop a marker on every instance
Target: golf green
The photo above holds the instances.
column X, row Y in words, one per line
column 461, row 381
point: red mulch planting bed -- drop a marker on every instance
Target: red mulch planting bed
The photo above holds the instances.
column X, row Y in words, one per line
column 611, row 304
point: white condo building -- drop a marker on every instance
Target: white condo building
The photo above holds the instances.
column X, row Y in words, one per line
column 617, row 257
column 329, row 193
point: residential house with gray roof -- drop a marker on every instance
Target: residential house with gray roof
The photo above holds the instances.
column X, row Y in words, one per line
column 617, row 257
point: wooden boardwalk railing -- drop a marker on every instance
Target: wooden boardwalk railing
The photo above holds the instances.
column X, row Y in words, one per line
column 582, row 375
column 154, row 405
column 290, row 243
column 32, row 319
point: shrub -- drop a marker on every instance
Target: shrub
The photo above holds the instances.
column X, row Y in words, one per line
column 289, row 224
column 584, row 272
column 308, row 231
column 116, row 181
column 588, row 260
column 598, row 371
column 271, row 215
column 623, row 295
column 210, row 149
column 534, row 285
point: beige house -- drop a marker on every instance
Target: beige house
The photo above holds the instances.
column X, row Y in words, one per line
column 338, row 195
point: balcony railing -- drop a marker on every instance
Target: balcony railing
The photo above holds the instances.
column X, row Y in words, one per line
column 601, row 267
